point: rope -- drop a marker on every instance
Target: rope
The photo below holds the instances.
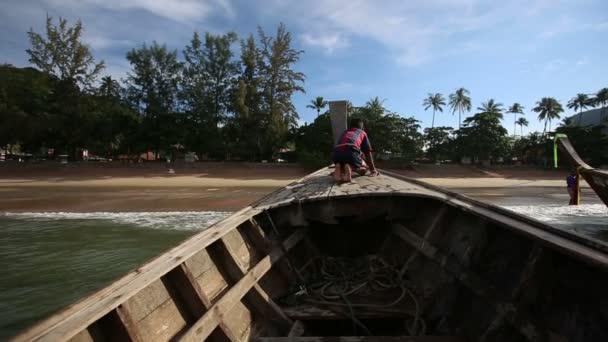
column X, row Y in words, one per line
column 332, row 282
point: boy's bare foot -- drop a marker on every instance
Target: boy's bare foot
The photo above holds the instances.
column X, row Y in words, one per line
column 338, row 173
column 348, row 175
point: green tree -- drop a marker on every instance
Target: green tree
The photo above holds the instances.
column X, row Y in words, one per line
column 389, row 132
column 113, row 124
column 24, row 105
column 601, row 98
column 460, row 101
column 248, row 115
column 317, row 104
column 482, row 136
column 152, row 89
column 435, row 101
column 278, row 83
column 209, row 79
column 580, row 102
column 109, row 88
column 491, row 108
column 439, row 142
column 548, row 109
column 515, row 109
column 62, row 53
column 522, row 122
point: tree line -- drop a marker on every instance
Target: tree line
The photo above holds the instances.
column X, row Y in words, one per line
column 209, row 100
column 480, row 137
column 205, row 99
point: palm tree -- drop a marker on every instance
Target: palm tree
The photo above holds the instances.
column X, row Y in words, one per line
column 601, row 98
column 580, row 102
column 435, row 101
column 460, row 101
column 516, row 109
column 491, row 107
column 109, row 88
column 522, row 122
column 548, row 108
column 317, row 104
column 375, row 105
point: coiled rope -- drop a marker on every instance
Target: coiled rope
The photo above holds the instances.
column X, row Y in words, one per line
column 334, row 282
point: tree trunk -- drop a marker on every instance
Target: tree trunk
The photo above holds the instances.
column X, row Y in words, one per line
column 514, row 124
column 459, row 119
column 433, row 122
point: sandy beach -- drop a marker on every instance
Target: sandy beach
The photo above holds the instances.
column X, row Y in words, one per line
column 227, row 187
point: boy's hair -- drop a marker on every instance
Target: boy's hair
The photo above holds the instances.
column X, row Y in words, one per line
column 356, row 123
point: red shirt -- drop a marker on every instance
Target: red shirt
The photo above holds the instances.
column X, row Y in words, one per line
column 356, row 138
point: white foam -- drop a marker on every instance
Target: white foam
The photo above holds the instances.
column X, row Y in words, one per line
column 178, row 220
column 587, row 218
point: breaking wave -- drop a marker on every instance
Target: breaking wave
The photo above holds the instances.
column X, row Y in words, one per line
column 188, row 220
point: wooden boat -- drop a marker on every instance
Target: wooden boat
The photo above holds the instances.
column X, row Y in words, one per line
column 596, row 178
column 383, row 259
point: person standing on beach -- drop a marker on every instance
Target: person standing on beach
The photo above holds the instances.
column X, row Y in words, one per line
column 353, row 144
column 571, row 183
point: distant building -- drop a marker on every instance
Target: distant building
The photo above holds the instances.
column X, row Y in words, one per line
column 591, row 117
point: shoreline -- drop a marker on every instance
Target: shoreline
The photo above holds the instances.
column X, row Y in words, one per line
column 227, row 187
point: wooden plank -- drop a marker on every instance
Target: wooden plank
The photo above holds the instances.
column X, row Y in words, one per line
column 582, row 247
column 164, row 323
column 204, row 326
column 73, row 319
column 207, row 275
column 436, row 221
column 297, row 329
column 225, row 254
column 307, row 312
column 196, row 300
column 338, row 113
column 360, row 339
column 473, row 282
column 131, row 328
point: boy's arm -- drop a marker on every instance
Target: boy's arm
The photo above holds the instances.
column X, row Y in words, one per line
column 370, row 162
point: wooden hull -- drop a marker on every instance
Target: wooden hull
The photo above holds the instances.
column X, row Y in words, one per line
column 471, row 272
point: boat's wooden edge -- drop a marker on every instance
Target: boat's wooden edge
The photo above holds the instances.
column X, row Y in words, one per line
column 449, row 195
column 583, row 247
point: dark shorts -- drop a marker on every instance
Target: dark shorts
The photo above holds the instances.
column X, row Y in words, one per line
column 348, row 156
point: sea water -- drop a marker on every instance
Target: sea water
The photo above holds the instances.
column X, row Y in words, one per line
column 586, row 219
column 50, row 260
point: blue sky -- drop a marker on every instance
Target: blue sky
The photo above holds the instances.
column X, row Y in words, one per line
column 510, row 50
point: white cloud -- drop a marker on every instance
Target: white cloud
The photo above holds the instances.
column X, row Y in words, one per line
column 98, row 41
column 178, row 10
column 582, row 62
column 567, row 24
column 414, row 32
column 554, row 65
column 329, row 42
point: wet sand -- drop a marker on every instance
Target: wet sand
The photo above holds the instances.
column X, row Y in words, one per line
column 224, row 188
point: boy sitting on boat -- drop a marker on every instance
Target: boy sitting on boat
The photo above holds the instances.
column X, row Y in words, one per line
column 347, row 155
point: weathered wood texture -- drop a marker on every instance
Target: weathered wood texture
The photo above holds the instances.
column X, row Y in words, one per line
column 204, row 326
column 359, row 339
